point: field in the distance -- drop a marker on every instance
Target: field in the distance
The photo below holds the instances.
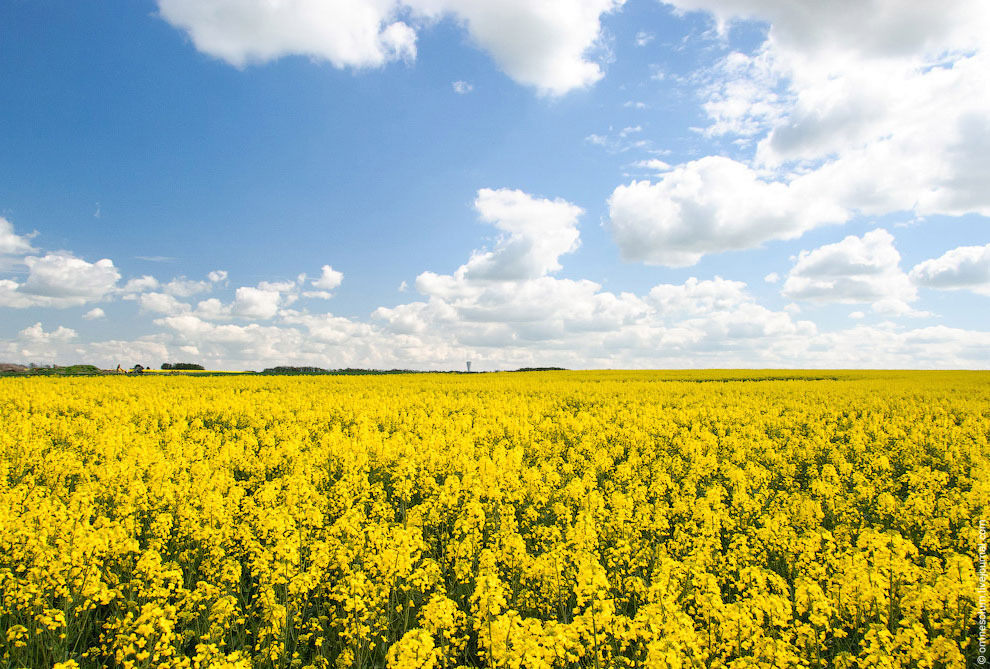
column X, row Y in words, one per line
column 563, row 519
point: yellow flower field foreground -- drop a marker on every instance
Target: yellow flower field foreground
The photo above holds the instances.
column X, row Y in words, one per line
column 594, row 519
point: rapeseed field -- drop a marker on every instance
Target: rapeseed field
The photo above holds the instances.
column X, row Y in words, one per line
column 563, row 519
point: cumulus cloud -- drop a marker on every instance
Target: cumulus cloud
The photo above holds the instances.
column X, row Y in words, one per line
column 855, row 270
column 161, row 303
column 256, row 303
column 298, row 339
column 529, row 315
column 536, row 232
column 653, row 164
column 962, row 268
column 36, row 333
column 12, row 244
column 94, row 314
column 217, row 276
column 60, row 280
column 140, row 284
column 462, row 87
column 34, row 344
column 856, row 108
column 544, row 45
column 261, row 302
column 329, row 278
column 279, row 286
column 346, row 33
column 183, row 287
column 697, row 297
column 867, row 28
column 711, row 205
column 747, row 336
column 744, row 96
column 67, row 278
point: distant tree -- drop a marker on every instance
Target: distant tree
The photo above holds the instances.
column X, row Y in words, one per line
column 166, row 365
column 187, row 366
column 284, row 369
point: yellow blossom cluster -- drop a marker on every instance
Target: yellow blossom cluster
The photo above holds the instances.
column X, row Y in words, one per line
column 718, row 520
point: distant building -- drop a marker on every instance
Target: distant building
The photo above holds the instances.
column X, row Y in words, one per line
column 469, row 365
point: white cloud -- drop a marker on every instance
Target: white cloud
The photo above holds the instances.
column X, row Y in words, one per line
column 141, row 284
column 12, row 244
column 866, row 28
column 217, row 276
column 256, row 303
column 962, row 268
column 329, row 278
column 623, row 140
column 536, row 231
column 462, row 87
column 855, row 270
column 533, row 318
column 746, row 336
column 323, row 340
column 67, row 278
column 60, row 280
column 879, row 347
column 772, row 277
column 161, row 303
column 695, row 297
column 149, row 352
column 507, row 314
column 856, row 107
column 524, row 322
column 743, row 96
column 653, row 164
column 544, row 45
column 34, row 344
column 711, row 205
column 156, row 258
column 643, row 38
column 318, row 294
column 36, row 333
column 212, row 309
column 183, row 287
column 94, row 314
column 347, row 33
column 279, row 286
column 261, row 302
column 330, row 329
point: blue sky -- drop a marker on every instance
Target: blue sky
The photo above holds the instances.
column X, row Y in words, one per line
column 586, row 183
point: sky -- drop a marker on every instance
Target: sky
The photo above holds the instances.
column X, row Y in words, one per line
column 419, row 183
